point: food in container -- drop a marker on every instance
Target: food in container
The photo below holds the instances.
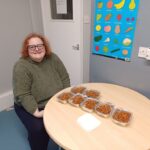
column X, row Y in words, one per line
column 89, row 104
column 76, row 99
column 78, row 89
column 104, row 109
column 121, row 116
column 64, row 97
column 92, row 93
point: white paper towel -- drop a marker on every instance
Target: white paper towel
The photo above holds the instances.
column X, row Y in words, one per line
column 88, row 122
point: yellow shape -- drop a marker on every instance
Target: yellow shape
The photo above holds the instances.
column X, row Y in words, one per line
column 120, row 5
column 105, row 49
column 98, row 28
column 132, row 5
column 100, row 4
column 98, row 16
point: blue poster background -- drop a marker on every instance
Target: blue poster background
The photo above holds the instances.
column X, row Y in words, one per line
column 114, row 26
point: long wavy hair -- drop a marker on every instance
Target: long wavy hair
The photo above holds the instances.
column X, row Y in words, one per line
column 24, row 51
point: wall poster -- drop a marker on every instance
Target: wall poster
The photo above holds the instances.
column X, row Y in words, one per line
column 114, row 26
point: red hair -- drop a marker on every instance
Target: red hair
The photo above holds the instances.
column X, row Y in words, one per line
column 24, row 51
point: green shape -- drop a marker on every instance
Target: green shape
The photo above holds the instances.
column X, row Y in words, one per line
column 116, row 41
column 105, row 49
column 115, row 50
column 97, row 38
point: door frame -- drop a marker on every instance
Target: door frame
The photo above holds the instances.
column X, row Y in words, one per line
column 81, row 50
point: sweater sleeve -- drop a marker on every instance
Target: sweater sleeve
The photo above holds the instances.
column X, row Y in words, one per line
column 62, row 72
column 22, row 80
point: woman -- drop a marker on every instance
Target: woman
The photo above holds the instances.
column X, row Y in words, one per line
column 37, row 76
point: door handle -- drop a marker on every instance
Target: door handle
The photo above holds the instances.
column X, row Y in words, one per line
column 76, row 47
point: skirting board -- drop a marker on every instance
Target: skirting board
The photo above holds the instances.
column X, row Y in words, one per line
column 6, row 100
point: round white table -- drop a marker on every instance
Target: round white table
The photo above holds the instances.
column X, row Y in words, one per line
column 61, row 122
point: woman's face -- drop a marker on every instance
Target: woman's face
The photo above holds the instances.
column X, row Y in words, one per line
column 36, row 49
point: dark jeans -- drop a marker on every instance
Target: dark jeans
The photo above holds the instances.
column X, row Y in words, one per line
column 37, row 136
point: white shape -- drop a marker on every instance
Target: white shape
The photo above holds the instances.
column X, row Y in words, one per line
column 61, row 6
column 142, row 52
column 148, row 54
column 107, row 40
column 88, row 122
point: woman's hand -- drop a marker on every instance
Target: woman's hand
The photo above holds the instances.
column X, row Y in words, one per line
column 38, row 114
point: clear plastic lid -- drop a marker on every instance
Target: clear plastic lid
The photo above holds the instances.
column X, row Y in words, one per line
column 78, row 89
column 104, row 109
column 89, row 104
column 64, row 97
column 92, row 93
column 121, row 116
column 76, row 100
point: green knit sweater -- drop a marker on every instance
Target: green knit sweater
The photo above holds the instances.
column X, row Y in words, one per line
column 34, row 83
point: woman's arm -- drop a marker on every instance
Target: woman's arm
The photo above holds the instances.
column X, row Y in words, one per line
column 22, row 82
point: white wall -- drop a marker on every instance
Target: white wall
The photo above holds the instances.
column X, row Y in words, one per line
column 36, row 16
column 86, row 39
column 16, row 21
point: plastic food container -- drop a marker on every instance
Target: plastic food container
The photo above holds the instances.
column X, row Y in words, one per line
column 104, row 109
column 89, row 104
column 64, row 97
column 76, row 100
column 121, row 116
column 92, row 93
column 78, row 89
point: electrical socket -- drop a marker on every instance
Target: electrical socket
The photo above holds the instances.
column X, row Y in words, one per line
column 148, row 54
column 142, row 52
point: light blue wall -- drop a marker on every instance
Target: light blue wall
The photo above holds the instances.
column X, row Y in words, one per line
column 134, row 74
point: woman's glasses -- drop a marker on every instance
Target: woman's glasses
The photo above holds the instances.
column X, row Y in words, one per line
column 37, row 47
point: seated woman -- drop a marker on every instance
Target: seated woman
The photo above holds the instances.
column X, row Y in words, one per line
column 37, row 76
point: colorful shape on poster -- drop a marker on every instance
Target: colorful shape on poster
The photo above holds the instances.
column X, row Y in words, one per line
column 99, row 5
column 132, row 5
column 119, row 16
column 98, row 17
column 97, row 38
column 108, row 17
column 109, row 4
column 114, row 27
column 120, row 4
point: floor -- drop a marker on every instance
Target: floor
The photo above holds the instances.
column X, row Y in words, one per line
column 13, row 135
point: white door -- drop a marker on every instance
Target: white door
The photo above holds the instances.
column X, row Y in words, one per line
column 66, row 38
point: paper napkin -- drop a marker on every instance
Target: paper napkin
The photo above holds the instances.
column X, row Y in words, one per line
column 88, row 122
